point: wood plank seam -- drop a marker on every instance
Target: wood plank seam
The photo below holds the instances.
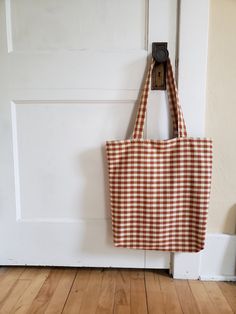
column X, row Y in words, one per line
column 69, row 292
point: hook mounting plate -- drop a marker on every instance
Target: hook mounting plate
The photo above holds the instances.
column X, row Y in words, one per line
column 160, row 54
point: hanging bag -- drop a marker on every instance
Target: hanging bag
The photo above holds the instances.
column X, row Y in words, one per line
column 159, row 189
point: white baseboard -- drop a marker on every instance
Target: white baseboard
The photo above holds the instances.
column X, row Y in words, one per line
column 216, row 262
column 218, row 278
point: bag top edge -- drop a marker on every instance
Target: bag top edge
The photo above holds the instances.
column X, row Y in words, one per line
column 177, row 139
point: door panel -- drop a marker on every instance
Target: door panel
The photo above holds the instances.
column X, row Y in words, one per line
column 70, row 79
column 78, row 25
column 62, row 173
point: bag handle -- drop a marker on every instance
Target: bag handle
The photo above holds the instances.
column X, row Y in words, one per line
column 179, row 128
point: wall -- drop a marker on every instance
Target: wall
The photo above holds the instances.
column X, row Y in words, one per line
column 221, row 114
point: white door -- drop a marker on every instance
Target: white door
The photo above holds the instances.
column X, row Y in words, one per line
column 70, row 74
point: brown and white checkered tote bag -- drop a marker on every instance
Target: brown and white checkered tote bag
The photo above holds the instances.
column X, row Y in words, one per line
column 159, row 189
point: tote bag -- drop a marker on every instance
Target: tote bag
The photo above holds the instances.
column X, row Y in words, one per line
column 159, row 189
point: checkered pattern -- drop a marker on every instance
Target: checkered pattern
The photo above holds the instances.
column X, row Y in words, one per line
column 159, row 189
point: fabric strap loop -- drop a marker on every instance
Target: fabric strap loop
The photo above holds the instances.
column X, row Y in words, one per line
column 179, row 128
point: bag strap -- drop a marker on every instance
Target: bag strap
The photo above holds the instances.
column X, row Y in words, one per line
column 179, row 128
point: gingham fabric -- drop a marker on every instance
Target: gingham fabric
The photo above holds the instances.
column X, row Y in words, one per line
column 159, row 189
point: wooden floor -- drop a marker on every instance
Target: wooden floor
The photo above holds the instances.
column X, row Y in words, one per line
column 82, row 290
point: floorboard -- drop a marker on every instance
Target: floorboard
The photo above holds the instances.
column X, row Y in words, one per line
column 55, row 290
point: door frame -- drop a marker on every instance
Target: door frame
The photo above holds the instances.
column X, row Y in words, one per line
column 191, row 61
